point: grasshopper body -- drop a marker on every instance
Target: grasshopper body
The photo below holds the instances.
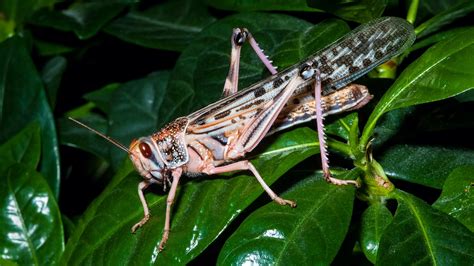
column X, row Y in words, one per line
column 216, row 138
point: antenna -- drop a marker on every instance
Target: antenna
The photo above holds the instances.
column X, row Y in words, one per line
column 111, row 140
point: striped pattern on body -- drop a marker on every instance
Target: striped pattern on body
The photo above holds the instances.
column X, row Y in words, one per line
column 340, row 63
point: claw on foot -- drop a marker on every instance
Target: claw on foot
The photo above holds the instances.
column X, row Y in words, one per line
column 140, row 224
column 161, row 246
column 340, row 182
column 282, row 201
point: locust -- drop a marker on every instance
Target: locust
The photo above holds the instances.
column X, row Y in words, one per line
column 216, row 138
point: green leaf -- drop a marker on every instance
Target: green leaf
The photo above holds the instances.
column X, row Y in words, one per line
column 249, row 5
column 373, row 223
column 443, row 18
column 24, row 147
column 443, row 71
column 22, row 100
column 341, row 127
column 85, row 19
column 203, row 209
column 457, row 198
column 51, row 74
column 360, row 11
column 389, row 125
column 133, row 111
column 103, row 96
column 171, row 25
column 14, row 13
column 72, row 134
column 420, row 234
column 428, row 166
column 307, row 235
column 31, row 231
column 46, row 48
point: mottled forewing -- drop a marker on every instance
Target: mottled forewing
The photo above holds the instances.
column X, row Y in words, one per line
column 363, row 49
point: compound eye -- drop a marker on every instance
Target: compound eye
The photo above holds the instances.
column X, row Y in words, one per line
column 307, row 72
column 240, row 37
column 145, row 149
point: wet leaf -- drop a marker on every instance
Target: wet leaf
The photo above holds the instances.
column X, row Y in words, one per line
column 31, row 231
column 374, row 220
column 24, row 147
column 457, row 197
column 311, row 233
column 23, row 101
column 420, row 234
column 424, row 165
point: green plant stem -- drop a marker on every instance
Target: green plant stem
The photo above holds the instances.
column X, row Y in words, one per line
column 412, row 11
column 341, row 147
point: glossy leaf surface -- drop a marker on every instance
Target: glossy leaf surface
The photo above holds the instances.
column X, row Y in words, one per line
column 420, row 234
column 170, row 25
column 374, row 221
column 24, row 147
column 424, row 165
column 24, row 100
column 84, row 18
column 51, row 75
column 360, row 11
column 443, row 18
column 307, row 235
column 457, row 197
column 31, row 231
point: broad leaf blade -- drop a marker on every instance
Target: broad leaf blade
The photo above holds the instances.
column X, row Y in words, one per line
column 373, row 223
column 74, row 135
column 428, row 166
column 23, row 100
column 457, row 197
column 30, row 227
column 249, row 5
column 360, row 11
column 84, row 18
column 24, row 147
column 447, row 16
column 443, row 71
column 51, row 74
column 307, row 235
column 420, row 234
column 133, row 111
column 14, row 13
column 171, row 25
